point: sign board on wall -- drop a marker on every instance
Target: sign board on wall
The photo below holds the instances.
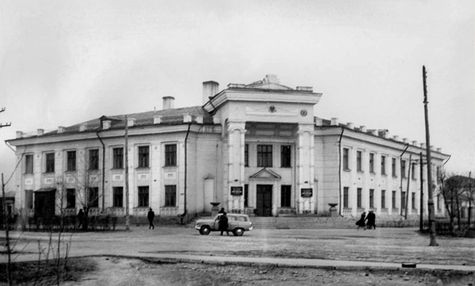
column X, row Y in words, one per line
column 306, row 192
column 236, row 191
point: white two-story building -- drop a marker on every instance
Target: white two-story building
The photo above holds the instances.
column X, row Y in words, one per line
column 255, row 148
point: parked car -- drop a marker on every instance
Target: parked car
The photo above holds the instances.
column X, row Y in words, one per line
column 237, row 223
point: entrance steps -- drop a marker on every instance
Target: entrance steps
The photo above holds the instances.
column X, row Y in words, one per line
column 302, row 222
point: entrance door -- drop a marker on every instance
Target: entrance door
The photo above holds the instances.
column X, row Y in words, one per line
column 264, row 200
column 45, row 203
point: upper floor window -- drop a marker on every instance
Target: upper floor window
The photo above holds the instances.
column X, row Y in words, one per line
column 403, row 168
column 144, row 155
column 383, row 165
column 371, row 162
column 359, row 166
column 264, row 155
column 93, row 159
column 118, row 158
column 346, row 163
column 285, row 156
column 413, row 171
column 170, row 155
column 246, row 155
column 49, row 168
column 170, row 195
column 29, row 164
column 71, row 161
column 393, row 167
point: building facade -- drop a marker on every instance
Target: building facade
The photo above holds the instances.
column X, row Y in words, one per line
column 254, row 148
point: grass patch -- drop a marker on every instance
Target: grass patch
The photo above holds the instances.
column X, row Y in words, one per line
column 45, row 272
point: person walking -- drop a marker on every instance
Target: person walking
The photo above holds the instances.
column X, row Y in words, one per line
column 361, row 222
column 371, row 220
column 223, row 223
column 80, row 218
column 150, row 216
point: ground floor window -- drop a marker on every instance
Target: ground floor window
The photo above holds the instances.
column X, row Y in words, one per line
column 393, row 200
column 413, row 200
column 403, row 200
column 93, row 197
column 246, row 195
column 143, row 196
column 285, row 195
column 118, row 197
column 383, row 199
column 170, row 195
column 29, row 199
column 345, row 197
column 70, row 198
column 371, row 198
column 358, row 197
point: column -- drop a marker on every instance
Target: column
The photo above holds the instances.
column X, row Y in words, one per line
column 305, row 168
column 235, row 137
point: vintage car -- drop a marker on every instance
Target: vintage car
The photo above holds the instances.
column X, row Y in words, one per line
column 237, row 224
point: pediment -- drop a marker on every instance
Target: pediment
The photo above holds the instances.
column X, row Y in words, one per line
column 266, row 174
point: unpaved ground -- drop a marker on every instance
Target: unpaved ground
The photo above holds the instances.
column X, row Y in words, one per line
column 124, row 271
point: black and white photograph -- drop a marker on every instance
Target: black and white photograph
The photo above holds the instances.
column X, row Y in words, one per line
column 325, row 142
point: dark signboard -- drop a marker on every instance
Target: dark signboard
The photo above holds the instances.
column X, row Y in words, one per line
column 306, row 192
column 236, row 191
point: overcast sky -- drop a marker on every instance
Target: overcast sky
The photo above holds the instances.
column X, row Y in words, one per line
column 64, row 62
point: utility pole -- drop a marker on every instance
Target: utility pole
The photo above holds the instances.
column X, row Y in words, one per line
column 127, row 217
column 421, row 207
column 470, row 197
column 7, row 234
column 409, row 167
column 430, row 199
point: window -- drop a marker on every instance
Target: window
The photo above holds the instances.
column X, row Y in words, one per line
column 403, row 168
column 170, row 155
column 403, row 200
column 393, row 200
column 118, row 158
column 346, row 163
column 71, row 161
column 29, row 164
column 264, row 155
column 170, row 195
column 371, row 162
column 93, row 197
column 383, row 165
column 393, row 167
column 438, row 173
column 93, row 159
column 70, row 198
column 383, row 199
column 359, row 167
column 29, row 199
column 413, row 171
column 246, row 155
column 345, row 197
column 246, row 195
column 438, row 202
column 144, row 154
column 285, row 156
column 413, row 200
column 49, row 163
column 143, row 196
column 371, row 198
column 117, row 197
column 358, row 197
column 285, row 195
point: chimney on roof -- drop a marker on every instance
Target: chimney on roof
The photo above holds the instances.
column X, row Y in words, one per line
column 363, row 128
column 271, row 78
column 383, row 133
column 168, row 102
column 334, row 121
column 423, row 145
column 349, row 125
column 439, row 150
column 40, row 132
column 60, row 129
column 199, row 119
column 82, row 127
column 319, row 122
column 414, row 142
column 210, row 89
column 19, row 134
column 157, row 119
column 187, row 118
column 130, row 122
column 396, row 137
column 405, row 140
column 106, row 124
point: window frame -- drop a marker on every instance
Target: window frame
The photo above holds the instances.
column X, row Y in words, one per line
column 29, row 164
column 170, row 156
column 383, row 199
column 141, row 192
column 92, row 166
column 346, row 159
column 286, row 156
column 371, row 163
column 93, row 203
column 246, row 155
column 118, row 158
column 143, row 158
column 170, row 196
column 371, row 198
column 50, row 158
column 383, row 165
column 285, row 196
column 70, row 198
column 117, row 191
column 346, row 197
column 71, row 161
column 359, row 194
column 264, row 155
column 359, row 161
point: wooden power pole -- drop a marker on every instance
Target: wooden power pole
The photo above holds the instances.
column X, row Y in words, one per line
column 430, row 199
column 421, row 208
column 127, row 217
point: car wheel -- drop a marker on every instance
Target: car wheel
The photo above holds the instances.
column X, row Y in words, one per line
column 205, row 230
column 238, row 232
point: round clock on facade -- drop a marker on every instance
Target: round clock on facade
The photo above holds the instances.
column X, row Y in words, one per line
column 272, row 109
column 303, row 112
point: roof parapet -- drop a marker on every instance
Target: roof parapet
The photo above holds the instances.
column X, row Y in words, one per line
column 363, row 128
column 383, row 133
column 106, row 124
column 199, row 119
column 304, row 88
column 131, row 122
column 61, row 129
column 157, row 119
column 334, row 121
column 349, row 125
column 40, row 131
column 82, row 127
column 19, row 134
column 186, row 118
column 318, row 122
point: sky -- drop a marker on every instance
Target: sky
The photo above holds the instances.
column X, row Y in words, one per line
column 64, row 62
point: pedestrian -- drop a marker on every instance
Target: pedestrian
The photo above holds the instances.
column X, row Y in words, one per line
column 371, row 220
column 361, row 222
column 150, row 216
column 223, row 223
column 221, row 211
column 80, row 218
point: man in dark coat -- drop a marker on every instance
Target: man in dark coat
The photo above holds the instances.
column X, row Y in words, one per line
column 223, row 223
column 150, row 216
column 361, row 221
column 371, row 220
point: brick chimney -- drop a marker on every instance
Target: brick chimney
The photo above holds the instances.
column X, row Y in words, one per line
column 210, row 89
column 168, row 102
